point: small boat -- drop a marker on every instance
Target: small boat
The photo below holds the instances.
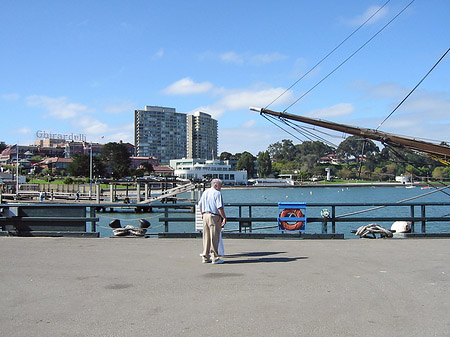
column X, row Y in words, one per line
column 271, row 182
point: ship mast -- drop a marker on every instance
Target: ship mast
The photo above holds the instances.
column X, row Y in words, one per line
column 438, row 152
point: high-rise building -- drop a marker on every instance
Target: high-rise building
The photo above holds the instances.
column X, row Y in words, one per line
column 160, row 132
column 201, row 136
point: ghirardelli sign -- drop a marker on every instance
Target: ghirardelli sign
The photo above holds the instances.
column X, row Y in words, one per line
column 65, row 136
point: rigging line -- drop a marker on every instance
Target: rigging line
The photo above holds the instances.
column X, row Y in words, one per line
column 304, row 130
column 444, row 185
column 295, row 127
column 348, row 58
column 423, row 78
column 304, row 134
column 398, row 202
column 282, row 128
column 412, row 164
column 326, row 56
column 323, row 132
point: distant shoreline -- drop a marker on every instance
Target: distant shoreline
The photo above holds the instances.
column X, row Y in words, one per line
column 316, row 185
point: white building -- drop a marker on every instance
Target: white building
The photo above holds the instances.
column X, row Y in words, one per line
column 207, row 169
column 160, row 132
column 201, row 136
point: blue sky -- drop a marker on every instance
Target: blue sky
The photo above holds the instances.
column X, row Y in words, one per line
column 85, row 66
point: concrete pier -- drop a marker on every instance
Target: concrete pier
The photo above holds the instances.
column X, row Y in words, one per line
column 158, row 287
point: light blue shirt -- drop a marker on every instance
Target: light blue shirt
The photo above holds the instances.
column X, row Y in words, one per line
column 211, row 201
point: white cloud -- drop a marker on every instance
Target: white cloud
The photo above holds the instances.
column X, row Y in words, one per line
column 91, row 125
column 435, row 106
column 187, row 86
column 337, row 110
column 361, row 18
column 242, row 99
column 386, row 90
column 10, row 97
column 159, row 54
column 124, row 134
column 249, row 123
column 58, row 108
column 24, row 131
column 251, row 59
column 256, row 140
column 123, row 107
column 232, row 57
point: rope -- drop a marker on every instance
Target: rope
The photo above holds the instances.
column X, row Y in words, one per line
column 398, row 202
column 423, row 78
column 129, row 230
column 125, row 220
column 348, row 58
column 326, row 56
column 372, row 229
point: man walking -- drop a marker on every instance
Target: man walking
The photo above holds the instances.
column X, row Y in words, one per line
column 213, row 215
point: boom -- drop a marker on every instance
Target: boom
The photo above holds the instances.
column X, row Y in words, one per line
column 439, row 152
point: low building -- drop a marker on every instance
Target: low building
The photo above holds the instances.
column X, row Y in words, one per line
column 402, row 179
column 200, row 169
column 163, row 171
column 136, row 162
column 55, row 163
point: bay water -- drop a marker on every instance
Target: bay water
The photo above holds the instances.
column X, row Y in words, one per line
column 317, row 195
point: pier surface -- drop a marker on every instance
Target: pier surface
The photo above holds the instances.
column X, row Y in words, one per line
column 158, row 287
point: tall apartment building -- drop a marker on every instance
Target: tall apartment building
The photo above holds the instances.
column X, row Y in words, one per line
column 201, row 136
column 160, row 132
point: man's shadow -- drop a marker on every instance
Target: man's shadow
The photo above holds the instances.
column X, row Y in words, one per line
column 258, row 257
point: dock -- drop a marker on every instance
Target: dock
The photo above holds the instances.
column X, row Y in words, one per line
column 158, row 287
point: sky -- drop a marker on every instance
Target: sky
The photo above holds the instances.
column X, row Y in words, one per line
column 83, row 67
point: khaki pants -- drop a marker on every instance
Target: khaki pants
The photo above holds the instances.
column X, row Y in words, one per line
column 212, row 225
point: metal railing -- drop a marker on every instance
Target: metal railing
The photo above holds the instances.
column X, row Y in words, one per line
column 248, row 216
column 340, row 213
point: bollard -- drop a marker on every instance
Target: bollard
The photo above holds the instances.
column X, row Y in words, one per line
column 325, row 214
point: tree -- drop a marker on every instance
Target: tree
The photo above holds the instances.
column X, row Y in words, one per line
column 316, row 148
column 441, row 173
column 147, row 167
column 246, row 162
column 117, row 158
column 356, row 147
column 264, row 164
column 283, row 151
column 80, row 167
column 225, row 156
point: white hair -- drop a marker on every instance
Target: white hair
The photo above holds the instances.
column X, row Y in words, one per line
column 215, row 182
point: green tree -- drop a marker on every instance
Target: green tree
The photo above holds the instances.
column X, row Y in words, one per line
column 309, row 162
column 36, row 159
column 225, row 156
column 356, row 147
column 116, row 157
column 247, row 162
column 283, row 151
column 80, row 165
column 441, row 173
column 147, row 167
column 316, row 148
column 264, row 164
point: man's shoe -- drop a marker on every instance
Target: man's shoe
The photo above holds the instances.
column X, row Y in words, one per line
column 218, row 261
column 206, row 261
